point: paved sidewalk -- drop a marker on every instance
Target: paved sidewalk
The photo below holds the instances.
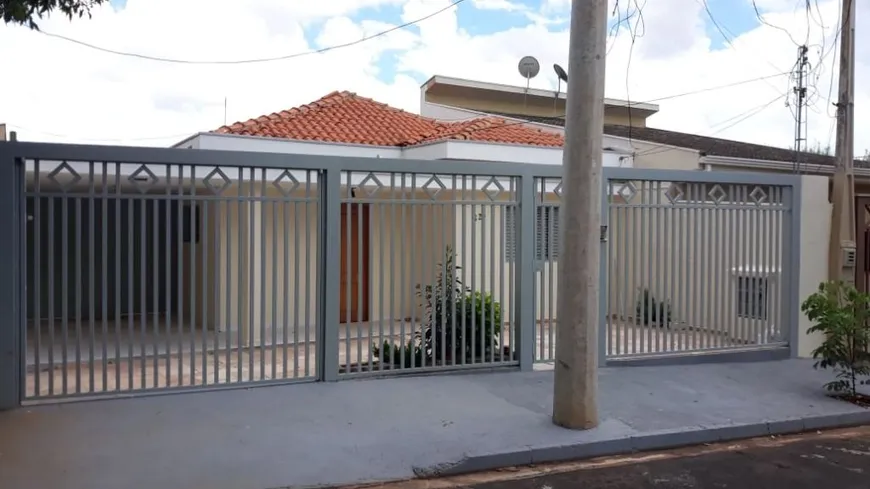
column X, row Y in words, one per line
column 355, row 431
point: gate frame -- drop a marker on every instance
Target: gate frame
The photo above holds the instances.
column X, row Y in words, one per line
column 791, row 252
column 11, row 280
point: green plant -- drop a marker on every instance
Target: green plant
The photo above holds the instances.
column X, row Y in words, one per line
column 457, row 323
column 841, row 314
column 649, row 310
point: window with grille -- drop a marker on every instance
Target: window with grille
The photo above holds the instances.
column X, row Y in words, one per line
column 752, row 293
column 547, row 234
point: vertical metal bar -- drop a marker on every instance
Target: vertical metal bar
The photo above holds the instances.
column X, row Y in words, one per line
column 258, row 232
column 78, row 291
column 252, row 262
column 131, row 290
column 502, row 280
column 308, row 277
column 604, row 295
column 216, row 283
column 37, row 277
column 464, row 324
column 699, row 192
column 759, row 270
column 92, row 310
column 11, row 175
column 359, row 287
column 524, row 260
column 227, row 237
column 540, row 229
column 296, row 290
column 116, row 232
column 426, row 275
column 742, row 267
column 393, row 260
column 702, row 266
column 105, row 285
column 627, row 244
column 273, row 288
column 192, row 243
column 242, row 228
column 330, row 221
column 671, row 222
column 661, row 269
column 347, row 210
column 714, row 270
column 607, row 331
column 381, row 245
column 155, row 287
column 179, row 271
column 167, row 270
column 202, row 228
column 143, row 269
column 285, row 316
column 552, row 273
column 474, row 220
column 50, row 202
column 767, row 239
column 444, row 306
column 413, row 264
column 403, row 249
column 491, row 288
column 512, row 279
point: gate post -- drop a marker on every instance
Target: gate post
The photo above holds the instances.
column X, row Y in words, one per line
column 524, row 261
column 328, row 264
column 11, row 283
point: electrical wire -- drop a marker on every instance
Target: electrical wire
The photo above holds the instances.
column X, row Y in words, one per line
column 729, row 123
column 255, row 60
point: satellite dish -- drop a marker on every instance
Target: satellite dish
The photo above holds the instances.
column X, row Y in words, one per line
column 529, row 67
column 561, row 73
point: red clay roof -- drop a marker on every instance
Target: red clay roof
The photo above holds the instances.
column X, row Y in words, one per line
column 345, row 117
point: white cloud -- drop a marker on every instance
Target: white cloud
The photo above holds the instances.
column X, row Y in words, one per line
column 59, row 87
column 499, row 5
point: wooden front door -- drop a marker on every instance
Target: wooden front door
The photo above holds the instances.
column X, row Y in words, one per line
column 862, row 236
column 354, row 293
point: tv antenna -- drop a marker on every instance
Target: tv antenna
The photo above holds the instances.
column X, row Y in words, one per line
column 528, row 68
column 561, row 75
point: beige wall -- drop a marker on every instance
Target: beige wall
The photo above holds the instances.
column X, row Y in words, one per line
column 815, row 232
column 279, row 256
column 533, row 106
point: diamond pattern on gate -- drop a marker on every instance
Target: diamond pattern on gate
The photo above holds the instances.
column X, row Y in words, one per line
column 371, row 180
column 286, row 183
column 64, row 170
column 223, row 183
column 717, row 193
column 675, row 193
column 558, row 190
column 627, row 191
column 433, row 187
column 758, row 195
column 140, row 181
column 492, row 188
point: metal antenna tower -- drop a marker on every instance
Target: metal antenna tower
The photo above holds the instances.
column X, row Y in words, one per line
column 800, row 92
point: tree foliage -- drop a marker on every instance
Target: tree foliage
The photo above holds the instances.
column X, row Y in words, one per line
column 26, row 12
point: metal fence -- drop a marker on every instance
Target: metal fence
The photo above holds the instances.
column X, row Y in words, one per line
column 698, row 262
column 145, row 270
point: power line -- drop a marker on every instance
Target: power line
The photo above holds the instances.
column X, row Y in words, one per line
column 730, row 122
column 255, row 60
column 170, row 136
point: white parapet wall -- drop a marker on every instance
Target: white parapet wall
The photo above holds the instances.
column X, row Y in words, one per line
column 814, row 234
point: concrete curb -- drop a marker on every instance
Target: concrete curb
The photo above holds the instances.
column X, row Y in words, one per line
column 659, row 440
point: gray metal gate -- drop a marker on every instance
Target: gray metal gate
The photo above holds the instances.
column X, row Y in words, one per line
column 698, row 262
column 146, row 270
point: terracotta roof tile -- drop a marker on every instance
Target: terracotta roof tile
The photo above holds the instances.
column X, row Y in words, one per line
column 344, row 117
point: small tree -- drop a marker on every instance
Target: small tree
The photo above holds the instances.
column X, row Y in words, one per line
column 25, row 12
column 841, row 314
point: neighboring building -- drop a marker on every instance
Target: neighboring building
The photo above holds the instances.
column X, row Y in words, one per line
column 454, row 99
column 441, row 92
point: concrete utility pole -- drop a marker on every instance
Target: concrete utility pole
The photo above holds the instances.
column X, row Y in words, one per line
column 576, row 371
column 841, row 259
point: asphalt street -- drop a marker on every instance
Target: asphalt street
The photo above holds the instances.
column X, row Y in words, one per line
column 836, row 459
column 811, row 462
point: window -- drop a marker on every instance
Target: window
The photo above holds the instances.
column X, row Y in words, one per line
column 752, row 297
column 547, row 236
